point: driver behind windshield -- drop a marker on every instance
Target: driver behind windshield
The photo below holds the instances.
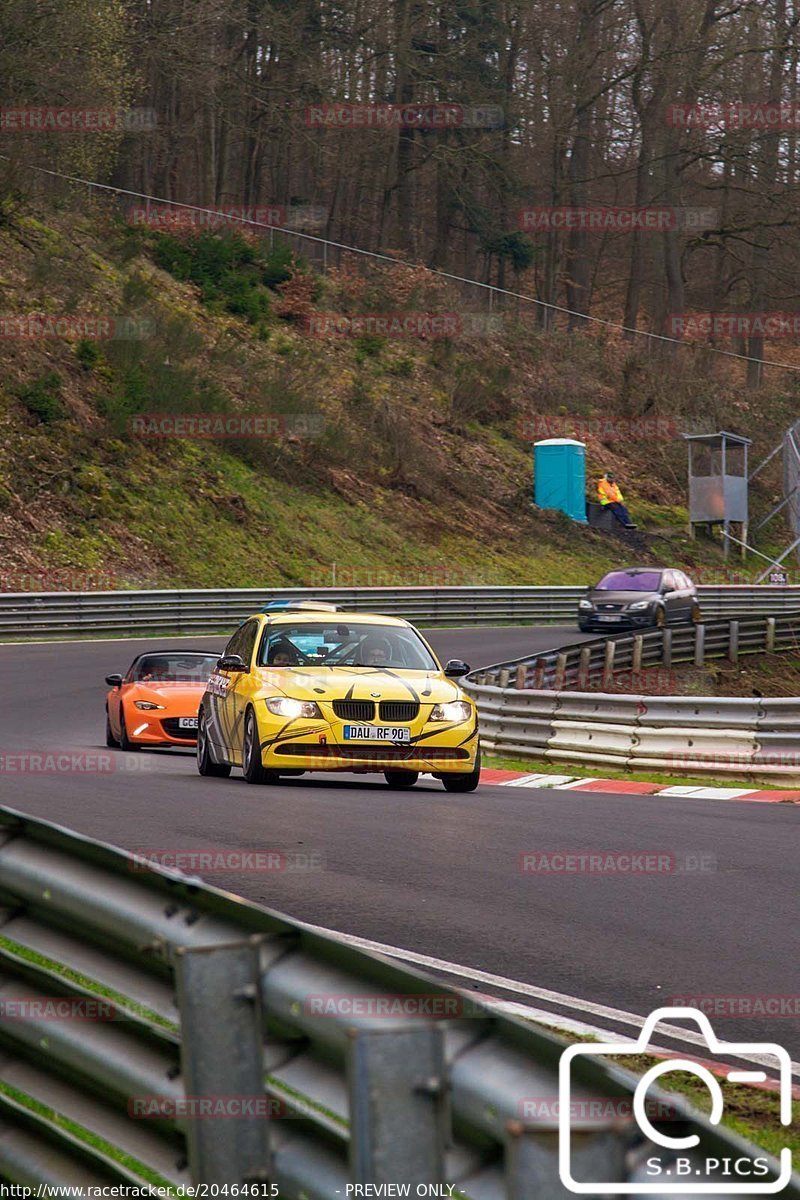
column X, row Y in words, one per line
column 375, row 652
column 155, row 670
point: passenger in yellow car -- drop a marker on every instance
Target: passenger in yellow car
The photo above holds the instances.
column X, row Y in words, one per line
column 282, row 655
column 609, row 494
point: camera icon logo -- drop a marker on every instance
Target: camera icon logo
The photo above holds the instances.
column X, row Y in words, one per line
column 671, row 1172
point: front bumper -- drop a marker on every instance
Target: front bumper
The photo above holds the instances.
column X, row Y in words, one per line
column 309, row 745
column 152, row 729
column 627, row 620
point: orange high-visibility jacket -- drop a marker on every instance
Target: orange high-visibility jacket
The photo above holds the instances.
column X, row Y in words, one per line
column 609, row 493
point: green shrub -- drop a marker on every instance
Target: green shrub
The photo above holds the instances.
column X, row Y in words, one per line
column 88, row 354
column 368, row 345
column 223, row 266
column 42, row 398
column 403, row 368
column 278, row 265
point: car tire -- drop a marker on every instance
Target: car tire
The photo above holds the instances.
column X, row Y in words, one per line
column 111, row 741
column 252, row 768
column 401, row 779
column 125, row 742
column 584, row 628
column 205, row 763
column 465, row 781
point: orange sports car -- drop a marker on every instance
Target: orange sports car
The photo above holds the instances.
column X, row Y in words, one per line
column 156, row 703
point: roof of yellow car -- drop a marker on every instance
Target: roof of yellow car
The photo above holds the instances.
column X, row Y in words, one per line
column 306, row 617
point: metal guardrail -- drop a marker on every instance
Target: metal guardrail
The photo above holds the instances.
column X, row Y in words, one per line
column 210, row 1000
column 62, row 614
column 538, row 707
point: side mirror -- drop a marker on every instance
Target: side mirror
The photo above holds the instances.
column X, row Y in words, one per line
column 231, row 662
column 114, row 680
column 455, row 668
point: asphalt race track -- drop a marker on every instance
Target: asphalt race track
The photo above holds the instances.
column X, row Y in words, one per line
column 438, row 874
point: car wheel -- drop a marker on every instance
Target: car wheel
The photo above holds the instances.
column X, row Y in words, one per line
column 466, row 781
column 696, row 616
column 125, row 742
column 401, row 779
column 584, row 628
column 110, row 739
column 252, row 768
column 205, row 763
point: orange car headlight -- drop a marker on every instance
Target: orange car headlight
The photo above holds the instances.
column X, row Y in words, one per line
column 146, row 706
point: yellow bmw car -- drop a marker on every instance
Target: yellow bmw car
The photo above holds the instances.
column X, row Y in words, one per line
column 307, row 688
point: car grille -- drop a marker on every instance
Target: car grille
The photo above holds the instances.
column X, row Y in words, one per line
column 354, row 710
column 372, row 753
column 172, row 729
column 609, row 607
column 398, row 710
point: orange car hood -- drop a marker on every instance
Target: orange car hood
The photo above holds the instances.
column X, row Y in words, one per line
column 183, row 696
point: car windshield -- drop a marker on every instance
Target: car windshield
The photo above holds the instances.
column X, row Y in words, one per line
column 173, row 668
column 337, row 644
column 630, row 581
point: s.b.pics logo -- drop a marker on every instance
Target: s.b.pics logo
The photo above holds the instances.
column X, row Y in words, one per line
column 676, row 1163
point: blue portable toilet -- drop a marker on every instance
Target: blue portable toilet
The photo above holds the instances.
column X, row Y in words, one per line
column 559, row 476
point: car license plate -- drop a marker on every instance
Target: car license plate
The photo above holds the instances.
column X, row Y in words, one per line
column 376, row 733
column 609, row 617
column 187, row 722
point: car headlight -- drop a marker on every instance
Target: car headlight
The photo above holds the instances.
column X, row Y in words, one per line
column 146, row 706
column 638, row 605
column 455, row 710
column 585, row 604
column 285, row 706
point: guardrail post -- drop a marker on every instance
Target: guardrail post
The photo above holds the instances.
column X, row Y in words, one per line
column 770, row 642
column 699, row 645
column 608, row 664
column 397, row 1087
column 636, row 659
column 532, row 1161
column 541, row 667
column 733, row 641
column 522, row 677
column 222, row 1059
column 561, row 672
column 584, row 667
column 666, row 647
column 505, row 674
